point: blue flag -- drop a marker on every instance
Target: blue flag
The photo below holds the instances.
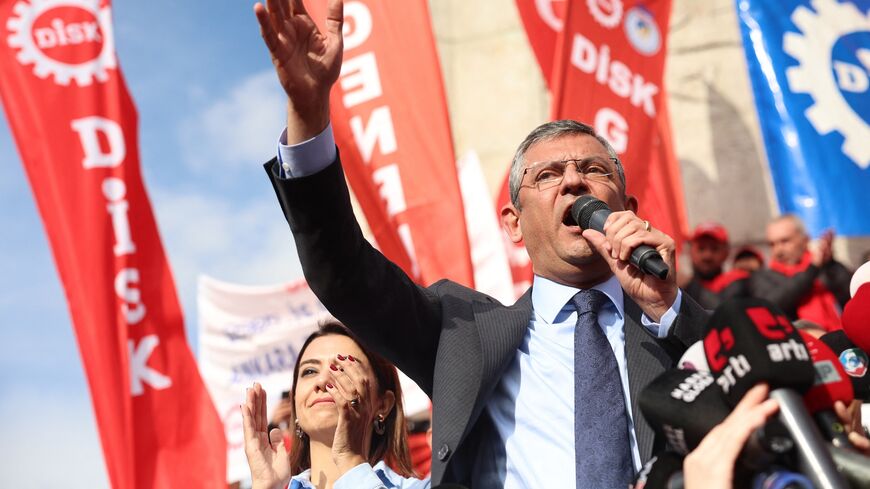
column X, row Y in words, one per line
column 809, row 62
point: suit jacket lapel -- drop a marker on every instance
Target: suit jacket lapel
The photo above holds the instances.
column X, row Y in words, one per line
column 646, row 360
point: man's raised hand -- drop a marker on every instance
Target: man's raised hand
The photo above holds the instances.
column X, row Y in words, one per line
column 307, row 61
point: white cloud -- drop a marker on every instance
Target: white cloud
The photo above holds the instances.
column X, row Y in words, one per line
column 231, row 240
column 239, row 128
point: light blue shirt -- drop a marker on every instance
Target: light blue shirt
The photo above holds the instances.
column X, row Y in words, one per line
column 532, row 407
column 364, row 476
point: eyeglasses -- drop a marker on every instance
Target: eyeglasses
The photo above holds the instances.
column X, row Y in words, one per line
column 548, row 174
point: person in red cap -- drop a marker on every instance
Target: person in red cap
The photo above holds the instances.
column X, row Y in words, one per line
column 805, row 282
column 710, row 285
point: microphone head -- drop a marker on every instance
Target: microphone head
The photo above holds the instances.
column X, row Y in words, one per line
column 683, row 406
column 751, row 341
column 694, row 358
column 856, row 317
column 663, row 471
column 854, row 360
column 831, row 384
column 859, row 278
column 584, row 207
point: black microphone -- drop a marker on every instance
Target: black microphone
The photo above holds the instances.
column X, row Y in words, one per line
column 590, row 213
column 854, row 361
column 682, row 406
column 752, row 341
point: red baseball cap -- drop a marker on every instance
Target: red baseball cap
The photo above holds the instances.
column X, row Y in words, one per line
column 710, row 229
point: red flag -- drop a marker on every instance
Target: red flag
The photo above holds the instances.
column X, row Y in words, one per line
column 544, row 21
column 614, row 82
column 389, row 115
column 76, row 130
column 609, row 72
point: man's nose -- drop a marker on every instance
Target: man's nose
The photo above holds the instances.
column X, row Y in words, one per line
column 572, row 180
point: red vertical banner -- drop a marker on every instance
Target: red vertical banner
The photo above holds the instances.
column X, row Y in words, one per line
column 608, row 72
column 606, row 69
column 76, row 130
column 389, row 115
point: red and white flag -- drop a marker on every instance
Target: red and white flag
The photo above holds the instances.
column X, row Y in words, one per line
column 389, row 114
column 76, row 130
column 603, row 61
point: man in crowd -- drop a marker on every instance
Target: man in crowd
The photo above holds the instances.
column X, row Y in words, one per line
column 805, row 282
column 748, row 259
column 500, row 378
column 710, row 285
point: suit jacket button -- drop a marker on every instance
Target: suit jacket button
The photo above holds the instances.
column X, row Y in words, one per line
column 443, row 452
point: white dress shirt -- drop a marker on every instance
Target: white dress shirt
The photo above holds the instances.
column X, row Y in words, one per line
column 532, row 407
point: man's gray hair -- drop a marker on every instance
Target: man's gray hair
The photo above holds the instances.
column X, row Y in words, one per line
column 547, row 132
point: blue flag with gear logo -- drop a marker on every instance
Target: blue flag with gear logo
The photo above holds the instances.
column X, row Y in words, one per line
column 809, row 63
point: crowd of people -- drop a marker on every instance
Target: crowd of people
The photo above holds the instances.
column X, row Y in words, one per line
column 802, row 276
column 541, row 393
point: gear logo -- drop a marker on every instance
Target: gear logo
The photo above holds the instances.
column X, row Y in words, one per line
column 835, row 71
column 66, row 39
column 608, row 13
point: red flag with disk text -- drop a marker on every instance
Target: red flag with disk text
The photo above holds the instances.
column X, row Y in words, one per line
column 389, row 115
column 606, row 69
column 76, row 130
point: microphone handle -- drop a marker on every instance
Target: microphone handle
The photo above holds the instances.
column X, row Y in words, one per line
column 644, row 257
column 814, row 459
column 854, row 466
column 832, row 428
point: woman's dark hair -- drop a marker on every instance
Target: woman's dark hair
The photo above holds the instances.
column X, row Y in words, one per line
column 392, row 446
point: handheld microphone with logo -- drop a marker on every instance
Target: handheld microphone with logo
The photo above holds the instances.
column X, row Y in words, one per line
column 752, row 341
column 663, row 471
column 831, row 385
column 590, row 213
column 854, row 361
column 684, row 405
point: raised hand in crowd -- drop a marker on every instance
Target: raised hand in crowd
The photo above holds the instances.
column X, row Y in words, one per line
column 822, row 249
column 711, row 464
column 306, row 59
column 267, row 456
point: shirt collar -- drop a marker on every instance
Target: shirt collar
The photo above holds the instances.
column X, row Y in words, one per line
column 548, row 297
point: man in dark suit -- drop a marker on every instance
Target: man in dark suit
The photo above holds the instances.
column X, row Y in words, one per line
column 542, row 393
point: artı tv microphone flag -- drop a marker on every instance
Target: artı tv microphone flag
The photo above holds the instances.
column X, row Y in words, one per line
column 76, row 130
column 751, row 341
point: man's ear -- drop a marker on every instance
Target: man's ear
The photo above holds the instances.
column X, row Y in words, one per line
column 630, row 203
column 510, row 222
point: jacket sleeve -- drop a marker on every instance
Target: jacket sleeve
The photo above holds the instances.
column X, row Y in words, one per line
column 785, row 292
column 357, row 284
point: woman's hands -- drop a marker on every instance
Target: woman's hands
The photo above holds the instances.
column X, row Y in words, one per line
column 267, row 456
column 357, row 402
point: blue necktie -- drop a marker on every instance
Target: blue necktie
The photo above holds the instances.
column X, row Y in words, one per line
column 602, row 451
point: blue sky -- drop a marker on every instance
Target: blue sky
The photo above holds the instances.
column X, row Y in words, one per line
column 210, row 112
